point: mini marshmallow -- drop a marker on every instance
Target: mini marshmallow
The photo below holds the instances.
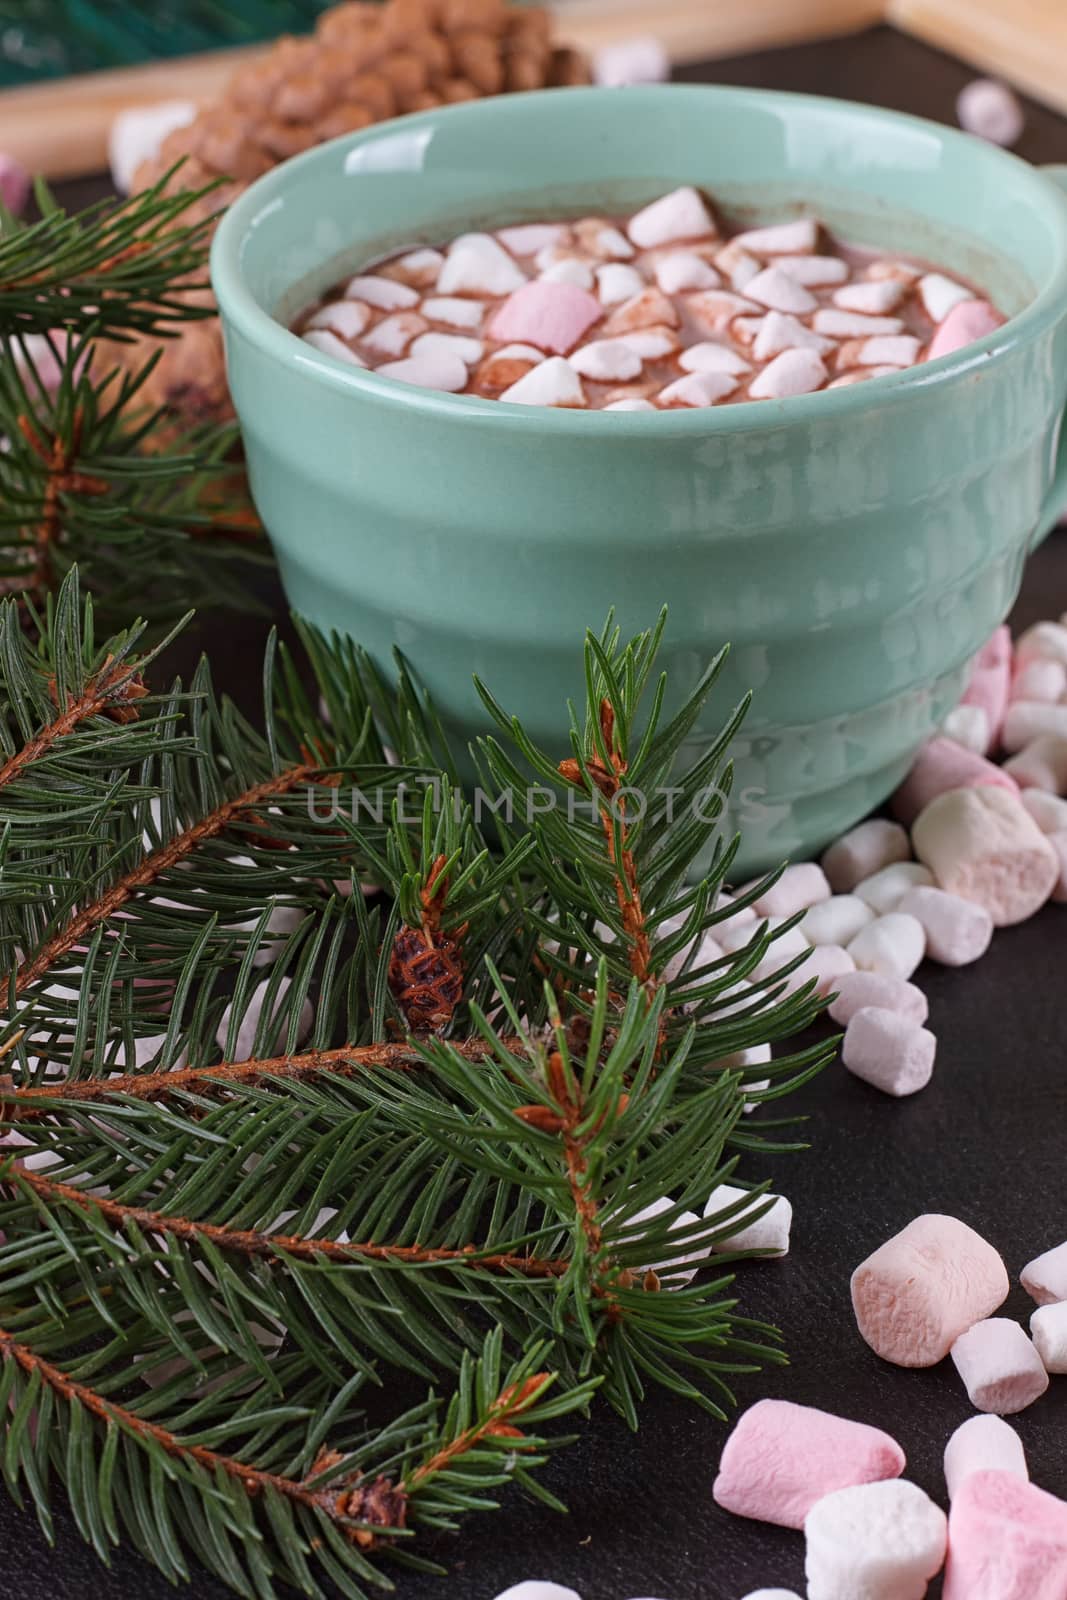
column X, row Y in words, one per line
column 385, row 293
column 708, row 357
column 939, row 295
column 740, row 267
column 814, row 272
column 836, row 920
column 778, row 331
column 1045, row 641
column 853, row 324
column 1049, row 811
column 884, row 350
column 517, row 352
column 886, row 1050
column 772, row 1594
column 782, row 1458
column 698, row 389
column 609, row 242
column 1007, row 1541
column 983, row 844
column 879, row 1541
column 1042, row 764
column 570, row 270
column 640, row 60
column 827, row 964
column 873, row 297
column 650, row 308
column 715, row 309
column 970, row 320
column 650, row 343
column 681, row 214
column 328, row 344
column 893, row 944
column 746, row 330
column 630, row 405
column 553, row 316
column 448, row 344
column 888, row 268
column 1027, row 720
column 135, row 137
column 420, row 267
column 393, row 334
column 477, row 264
column 606, row 360
column 553, row 383
column 863, row 851
column 527, row 238
column 941, row 765
column 794, row 372
column 346, row 318
column 780, row 292
column 1045, row 1278
column 680, row 1270
column 957, row 931
column 883, row 891
column 880, row 989
column 1048, row 1329
column 983, row 1444
column 1040, row 679
column 968, row 726
column 924, row 1287
column 769, row 1232
column 455, row 313
column 798, row 887
column 538, row 1589
column 1001, row 1370
column 438, row 371
column 989, row 684
column 617, row 282
column 990, row 111
column 782, row 238
column 682, row 269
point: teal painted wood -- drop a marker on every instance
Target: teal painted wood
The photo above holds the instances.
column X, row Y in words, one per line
column 856, row 546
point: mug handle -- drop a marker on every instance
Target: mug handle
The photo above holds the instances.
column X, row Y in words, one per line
column 1055, row 507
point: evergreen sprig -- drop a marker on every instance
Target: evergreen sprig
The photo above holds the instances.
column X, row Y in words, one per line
column 277, row 1142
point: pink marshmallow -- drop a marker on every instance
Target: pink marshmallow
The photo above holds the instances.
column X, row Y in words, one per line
column 14, row 184
column 855, row 990
column 989, row 686
column 924, row 1287
column 781, row 1458
column 827, row 964
column 942, row 764
column 966, row 322
column 552, row 316
column 1007, row 1540
column 1042, row 764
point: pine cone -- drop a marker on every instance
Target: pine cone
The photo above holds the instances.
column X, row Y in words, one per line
column 364, row 63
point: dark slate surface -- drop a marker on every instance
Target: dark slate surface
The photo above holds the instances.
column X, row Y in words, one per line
column 985, row 1142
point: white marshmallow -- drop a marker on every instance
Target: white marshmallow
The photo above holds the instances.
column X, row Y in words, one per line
column 814, row 272
column 769, row 1232
column 617, row 282
column 569, row 270
column 538, row 1589
column 837, row 920
column 780, row 292
column 737, row 914
column 1045, row 1277
column 518, row 352
column 1027, row 720
column 137, row 134
column 884, row 890
column 872, row 296
column 794, row 372
column 799, row 886
column 433, row 345
column 553, row 383
column 438, row 371
column 681, row 214
column 888, row 350
column 746, row 330
column 957, row 931
column 630, row 405
column 651, row 343
column 779, row 331
column 876, row 1541
column 738, row 266
column 892, row 944
column 886, row 1050
column 888, row 268
column 606, row 360
column 681, row 1269
column 879, row 989
column 715, row 309
column 853, row 324
column 393, row 334
column 780, row 952
column 1001, row 1370
column 328, row 344
column 990, row 111
column 983, row 1444
column 781, row 238
column 1040, row 678
column 1044, row 641
column 643, row 59
column 454, row 312
column 698, row 389
column 969, row 726
column 346, row 318
column 528, row 237
column 421, row 266
column 939, row 294
column 983, row 844
column 683, row 269
column 864, row 851
column 246, row 1032
column 1049, row 811
column 478, row 264
column 710, row 357
column 772, row 1594
column 1048, row 1329
column 610, row 242
column 385, row 293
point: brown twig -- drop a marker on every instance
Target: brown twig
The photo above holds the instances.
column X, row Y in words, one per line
column 101, row 695
column 62, row 479
column 511, row 1403
column 269, row 1246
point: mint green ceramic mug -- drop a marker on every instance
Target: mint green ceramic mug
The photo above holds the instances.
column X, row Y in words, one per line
column 855, row 547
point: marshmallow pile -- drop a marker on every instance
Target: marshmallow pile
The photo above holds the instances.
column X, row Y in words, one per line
column 662, row 310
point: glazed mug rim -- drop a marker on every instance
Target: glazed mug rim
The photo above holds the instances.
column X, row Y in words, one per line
column 241, row 307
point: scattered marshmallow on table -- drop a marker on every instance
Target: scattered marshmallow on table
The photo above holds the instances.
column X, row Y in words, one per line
column 983, row 1444
column 877, row 1541
column 889, row 1052
column 1027, row 720
column 135, row 136
column 769, row 1232
column 884, row 890
column 1001, row 1370
column 1048, row 1330
column 827, row 964
column 14, row 184
column 1007, row 1541
column 1045, row 1278
column 991, row 111
column 836, row 919
column 771, row 1594
column 859, row 989
column 957, row 931
column 989, row 683
column 680, row 1269
column 893, row 944
column 1040, row 678
column 1043, row 641
column 941, row 765
column 1049, row 811
column 968, row 726
column 929, row 1283
column 781, row 1458
column 798, row 887
column 863, row 851
column 538, row 1589
column 982, row 844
